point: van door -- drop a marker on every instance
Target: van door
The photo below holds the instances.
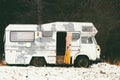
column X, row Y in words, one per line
column 63, row 47
column 88, row 47
column 67, row 56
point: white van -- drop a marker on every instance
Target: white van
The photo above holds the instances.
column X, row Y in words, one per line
column 71, row 43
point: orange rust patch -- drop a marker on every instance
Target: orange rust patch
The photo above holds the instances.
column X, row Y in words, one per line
column 2, row 63
column 115, row 62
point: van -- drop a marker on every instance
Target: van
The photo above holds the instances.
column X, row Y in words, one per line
column 60, row 43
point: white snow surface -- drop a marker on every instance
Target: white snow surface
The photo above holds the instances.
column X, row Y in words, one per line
column 100, row 71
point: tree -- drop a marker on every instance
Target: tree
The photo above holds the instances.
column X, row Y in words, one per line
column 113, row 46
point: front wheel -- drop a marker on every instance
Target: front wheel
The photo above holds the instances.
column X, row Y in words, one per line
column 82, row 61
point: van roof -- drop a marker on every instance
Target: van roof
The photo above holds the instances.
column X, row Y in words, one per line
column 65, row 26
column 22, row 27
column 83, row 27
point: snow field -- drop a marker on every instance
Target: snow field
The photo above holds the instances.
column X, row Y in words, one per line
column 100, row 71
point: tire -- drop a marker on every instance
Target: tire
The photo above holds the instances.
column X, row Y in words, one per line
column 37, row 62
column 82, row 61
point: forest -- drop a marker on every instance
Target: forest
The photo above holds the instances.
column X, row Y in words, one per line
column 105, row 15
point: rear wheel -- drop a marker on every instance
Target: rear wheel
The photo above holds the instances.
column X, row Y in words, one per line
column 37, row 61
column 82, row 61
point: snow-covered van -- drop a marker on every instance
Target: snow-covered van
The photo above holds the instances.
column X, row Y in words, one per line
column 71, row 43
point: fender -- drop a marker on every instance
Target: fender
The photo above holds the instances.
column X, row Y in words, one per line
column 78, row 54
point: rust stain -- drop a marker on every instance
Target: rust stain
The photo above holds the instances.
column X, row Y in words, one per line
column 2, row 63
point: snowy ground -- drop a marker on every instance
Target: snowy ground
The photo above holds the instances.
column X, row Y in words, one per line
column 100, row 71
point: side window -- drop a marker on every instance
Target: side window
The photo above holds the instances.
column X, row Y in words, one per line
column 87, row 28
column 86, row 40
column 47, row 36
column 47, row 33
column 18, row 36
column 90, row 40
column 75, row 36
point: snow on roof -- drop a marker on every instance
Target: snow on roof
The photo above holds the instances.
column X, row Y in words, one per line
column 66, row 26
column 56, row 26
column 22, row 27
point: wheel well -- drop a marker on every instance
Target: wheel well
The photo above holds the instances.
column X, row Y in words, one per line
column 41, row 58
column 80, row 56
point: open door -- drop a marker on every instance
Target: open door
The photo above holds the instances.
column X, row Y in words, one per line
column 60, row 47
column 63, row 47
